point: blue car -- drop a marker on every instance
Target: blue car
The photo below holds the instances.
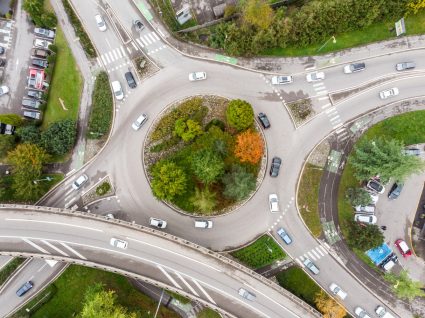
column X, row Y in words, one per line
column 24, row 289
column 284, row 236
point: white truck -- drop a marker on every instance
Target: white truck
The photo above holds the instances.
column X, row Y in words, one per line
column 383, row 313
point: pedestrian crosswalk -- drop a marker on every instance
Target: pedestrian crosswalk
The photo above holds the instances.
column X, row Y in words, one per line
column 314, row 254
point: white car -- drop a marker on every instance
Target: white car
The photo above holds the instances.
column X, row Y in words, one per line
column 79, row 182
column 42, row 43
column 4, row 90
column 369, row 219
column 315, row 76
column 389, row 93
column 274, row 203
column 44, row 33
column 117, row 89
column 361, row 313
column 100, row 23
column 160, row 224
column 280, row 80
column 139, row 122
column 118, row 243
column 197, row 76
column 336, row 290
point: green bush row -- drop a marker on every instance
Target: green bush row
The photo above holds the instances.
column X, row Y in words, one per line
column 102, row 107
column 38, row 14
column 10, row 268
column 79, row 31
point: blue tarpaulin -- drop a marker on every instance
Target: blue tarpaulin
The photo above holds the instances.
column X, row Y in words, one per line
column 377, row 255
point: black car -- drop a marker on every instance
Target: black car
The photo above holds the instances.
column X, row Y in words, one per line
column 6, row 129
column 2, row 50
column 2, row 62
column 395, row 190
column 264, row 120
column 35, row 94
column 275, row 167
column 355, row 67
column 24, row 289
column 39, row 63
column 31, row 103
column 138, row 25
column 130, row 80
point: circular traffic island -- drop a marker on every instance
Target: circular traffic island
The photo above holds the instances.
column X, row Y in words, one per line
column 205, row 155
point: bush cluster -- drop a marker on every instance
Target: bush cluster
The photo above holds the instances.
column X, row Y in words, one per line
column 41, row 17
column 103, row 188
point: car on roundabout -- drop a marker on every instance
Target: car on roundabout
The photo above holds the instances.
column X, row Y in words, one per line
column 273, row 203
column 281, row 80
column 389, row 93
column 139, row 122
column 158, row 223
column 246, row 294
column 284, row 236
column 275, row 167
column 315, row 76
column 197, row 76
column 337, row 291
column 264, row 120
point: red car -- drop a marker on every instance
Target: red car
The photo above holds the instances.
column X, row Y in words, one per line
column 403, row 248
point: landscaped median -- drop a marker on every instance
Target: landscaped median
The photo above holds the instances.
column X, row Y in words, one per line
column 9, row 268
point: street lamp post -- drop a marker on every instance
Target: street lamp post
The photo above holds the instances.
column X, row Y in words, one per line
column 331, row 38
column 44, row 179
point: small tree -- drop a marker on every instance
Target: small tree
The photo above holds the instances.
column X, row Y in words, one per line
column 188, row 129
column 249, row 147
column 239, row 114
column 257, row 13
column 358, row 196
column 29, row 134
column 416, row 5
column 364, row 236
column 328, row 306
column 11, row 119
column 404, row 287
column 168, row 180
column 59, row 137
column 7, row 143
column 204, row 200
column 239, row 183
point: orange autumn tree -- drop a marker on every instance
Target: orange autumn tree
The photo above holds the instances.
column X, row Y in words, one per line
column 249, row 147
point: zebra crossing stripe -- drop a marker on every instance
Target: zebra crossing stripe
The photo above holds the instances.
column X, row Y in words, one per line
column 135, row 46
column 340, row 130
column 319, row 251
column 323, row 98
column 203, row 291
column 122, row 50
column 115, row 54
column 128, row 49
column 315, row 254
column 106, row 58
column 187, row 284
column 330, row 110
column 301, row 258
column 99, row 62
column 103, row 59
column 140, row 43
column 169, row 277
column 147, row 39
column 299, row 262
column 337, row 126
column 111, row 56
column 144, row 42
column 310, row 68
column 322, row 92
column 318, row 84
column 55, row 248
column 334, row 118
column 151, row 37
column 155, row 36
column 35, row 246
column 119, row 53
column 69, row 248
column 311, row 256
column 327, row 105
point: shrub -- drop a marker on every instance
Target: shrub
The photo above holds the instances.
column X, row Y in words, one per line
column 53, row 48
column 11, row 119
column 41, row 18
column 165, row 145
column 239, row 183
column 103, row 188
column 7, row 143
column 239, row 114
column 249, row 147
column 29, row 134
column 59, row 137
column 204, row 200
column 215, row 122
column 168, row 180
column 187, row 130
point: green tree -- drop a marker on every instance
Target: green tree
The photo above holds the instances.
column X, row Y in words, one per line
column 404, row 287
column 207, row 165
column 59, row 137
column 239, row 114
column 358, row 196
column 384, row 158
column 11, row 119
column 416, row 5
column 27, row 161
column 29, row 134
column 41, row 18
column 204, row 200
column 257, row 13
column 7, row 143
column 187, row 129
column 168, row 180
column 239, row 183
column 364, row 236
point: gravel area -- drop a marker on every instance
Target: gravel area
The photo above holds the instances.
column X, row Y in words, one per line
column 319, row 156
column 91, row 195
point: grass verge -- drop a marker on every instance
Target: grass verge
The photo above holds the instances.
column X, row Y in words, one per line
column 10, row 268
column 71, row 285
column 36, row 303
column 415, row 24
column 208, row 313
column 308, row 198
column 264, row 251
column 169, row 17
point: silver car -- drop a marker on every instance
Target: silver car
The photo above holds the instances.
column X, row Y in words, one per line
column 246, row 294
column 389, row 93
column 139, row 122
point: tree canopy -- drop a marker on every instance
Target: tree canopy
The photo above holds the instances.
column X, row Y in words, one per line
column 358, row 196
column 187, row 129
column 168, row 180
column 59, row 137
column 239, row 183
column 239, row 114
column 364, row 236
column 328, row 306
column 249, row 147
column 257, row 13
column 404, row 286
column 207, row 165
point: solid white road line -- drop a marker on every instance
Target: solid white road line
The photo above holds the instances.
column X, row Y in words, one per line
column 151, row 37
column 55, row 248
column 169, row 277
column 204, row 292
column 35, row 246
column 72, row 250
column 155, row 36
column 187, row 284
column 144, row 41
column 56, row 223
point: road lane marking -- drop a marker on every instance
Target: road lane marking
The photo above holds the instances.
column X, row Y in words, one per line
column 169, row 277
column 128, row 49
column 119, row 52
column 35, row 246
column 318, row 84
column 323, row 249
column 55, row 248
column 327, row 105
column 323, row 98
column 111, row 56
column 115, row 54
column 301, row 258
column 310, row 68
column 41, row 268
column 105, row 56
column 299, row 262
column 135, row 46
column 333, row 109
column 72, row 250
column 204, row 292
column 187, row 284
column 56, row 223
column 103, row 59
column 322, row 92
column 333, row 118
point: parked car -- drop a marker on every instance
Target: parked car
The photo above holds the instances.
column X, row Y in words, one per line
column 40, row 63
column 203, row 224
column 139, row 122
column 275, row 166
column 118, row 243
column 2, row 62
column 382, row 312
column 412, row 152
column 38, row 43
column 40, row 53
column 405, row 66
column 264, row 120
column 161, row 224
column 395, row 190
column 368, row 209
column 311, row 266
column 368, row 219
column 284, row 236
column 246, row 294
column 44, row 33
column 375, row 186
column 117, row 89
column 34, row 94
column 336, row 290
column 31, row 103
column 403, row 248
column 280, row 80
column 389, row 262
column 138, row 25
column 4, row 90
column 2, row 50
column 32, row 115
column 361, row 313
column 130, row 79
column 24, row 289
column 6, row 129
column 197, row 76
column 100, row 23
column 77, row 184
column 389, row 93
column 354, row 67
column 373, row 196
column 315, row 76
column 273, row 203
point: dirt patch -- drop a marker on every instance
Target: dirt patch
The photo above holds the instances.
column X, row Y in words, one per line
column 301, row 111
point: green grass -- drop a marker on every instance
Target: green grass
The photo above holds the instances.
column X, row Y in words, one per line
column 208, row 313
column 264, row 251
column 308, row 198
column 37, row 302
column 180, row 298
column 295, row 280
column 66, row 84
column 415, row 24
column 71, row 285
column 10, row 268
column 345, row 210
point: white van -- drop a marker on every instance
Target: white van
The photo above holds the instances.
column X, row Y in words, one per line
column 203, row 224
column 117, row 89
column 336, row 290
